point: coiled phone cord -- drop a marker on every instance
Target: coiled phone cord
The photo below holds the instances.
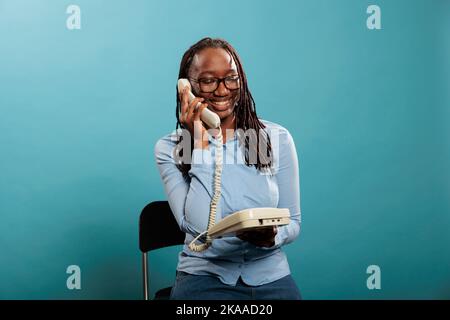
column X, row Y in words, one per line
column 215, row 199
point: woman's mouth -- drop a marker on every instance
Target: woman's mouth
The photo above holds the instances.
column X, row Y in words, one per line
column 220, row 105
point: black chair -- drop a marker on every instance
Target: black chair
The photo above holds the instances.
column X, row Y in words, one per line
column 157, row 229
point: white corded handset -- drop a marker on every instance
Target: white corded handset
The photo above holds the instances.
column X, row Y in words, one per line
column 211, row 119
column 240, row 220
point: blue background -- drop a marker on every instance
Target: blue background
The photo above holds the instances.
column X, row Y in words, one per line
column 368, row 109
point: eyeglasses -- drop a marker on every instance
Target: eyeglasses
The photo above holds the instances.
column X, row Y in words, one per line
column 209, row 85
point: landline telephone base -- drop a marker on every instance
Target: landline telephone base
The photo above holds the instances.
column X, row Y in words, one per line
column 250, row 219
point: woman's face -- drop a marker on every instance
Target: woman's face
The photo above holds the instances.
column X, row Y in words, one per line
column 215, row 63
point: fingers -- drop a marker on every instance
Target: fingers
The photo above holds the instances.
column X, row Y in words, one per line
column 184, row 97
column 260, row 232
column 189, row 115
column 242, row 235
column 193, row 105
column 263, row 237
column 199, row 111
column 188, row 109
column 264, row 232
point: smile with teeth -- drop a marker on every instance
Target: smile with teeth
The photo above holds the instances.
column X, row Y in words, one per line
column 220, row 104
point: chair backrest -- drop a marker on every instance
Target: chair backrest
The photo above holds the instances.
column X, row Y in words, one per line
column 158, row 227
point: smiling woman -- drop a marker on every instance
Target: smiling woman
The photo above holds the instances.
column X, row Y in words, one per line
column 208, row 70
column 248, row 264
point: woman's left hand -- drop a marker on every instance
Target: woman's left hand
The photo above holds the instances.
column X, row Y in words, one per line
column 261, row 237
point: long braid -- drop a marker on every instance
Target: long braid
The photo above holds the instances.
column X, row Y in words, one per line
column 245, row 110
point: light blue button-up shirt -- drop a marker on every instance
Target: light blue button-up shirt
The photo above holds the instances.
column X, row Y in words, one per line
column 242, row 187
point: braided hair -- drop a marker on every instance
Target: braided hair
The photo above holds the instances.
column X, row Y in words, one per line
column 245, row 110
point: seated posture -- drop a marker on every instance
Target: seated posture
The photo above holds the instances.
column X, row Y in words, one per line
column 259, row 169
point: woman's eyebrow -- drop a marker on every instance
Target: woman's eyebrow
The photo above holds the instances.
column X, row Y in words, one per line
column 211, row 72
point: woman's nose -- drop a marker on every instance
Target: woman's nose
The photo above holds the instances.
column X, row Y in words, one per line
column 221, row 90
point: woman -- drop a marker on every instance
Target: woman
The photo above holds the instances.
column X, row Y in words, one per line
column 249, row 265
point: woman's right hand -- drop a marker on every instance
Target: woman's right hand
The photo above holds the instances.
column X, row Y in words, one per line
column 190, row 118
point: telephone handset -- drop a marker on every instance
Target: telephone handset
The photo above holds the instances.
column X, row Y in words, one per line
column 211, row 119
column 240, row 220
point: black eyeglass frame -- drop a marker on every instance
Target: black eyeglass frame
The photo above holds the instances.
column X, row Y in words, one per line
column 218, row 81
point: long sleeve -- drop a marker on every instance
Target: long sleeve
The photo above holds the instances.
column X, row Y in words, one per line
column 182, row 191
column 289, row 188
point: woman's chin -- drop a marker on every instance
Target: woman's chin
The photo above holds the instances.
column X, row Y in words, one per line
column 218, row 109
column 222, row 113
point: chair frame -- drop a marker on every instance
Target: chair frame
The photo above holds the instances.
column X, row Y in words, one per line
column 167, row 234
column 145, row 276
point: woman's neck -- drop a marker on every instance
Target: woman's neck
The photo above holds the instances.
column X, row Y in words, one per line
column 228, row 125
